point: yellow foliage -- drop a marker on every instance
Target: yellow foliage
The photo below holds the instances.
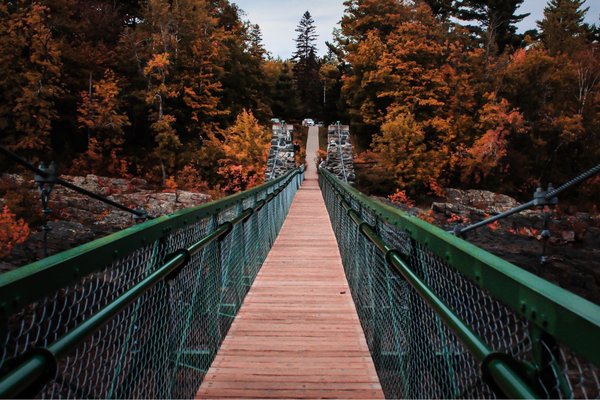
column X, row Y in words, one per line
column 247, row 142
column 246, row 147
column 402, row 151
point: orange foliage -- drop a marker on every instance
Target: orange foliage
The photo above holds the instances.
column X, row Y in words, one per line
column 30, row 71
column 189, row 179
column 499, row 121
column 99, row 116
column 524, row 231
column 238, row 177
column 494, row 225
column 12, row 231
column 400, row 197
column 427, row 216
column 401, row 150
column 170, row 185
column 455, row 218
column 246, row 147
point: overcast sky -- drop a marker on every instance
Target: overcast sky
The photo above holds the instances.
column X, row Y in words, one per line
column 279, row 18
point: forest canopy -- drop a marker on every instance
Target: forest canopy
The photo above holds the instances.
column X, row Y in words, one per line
column 447, row 93
column 437, row 92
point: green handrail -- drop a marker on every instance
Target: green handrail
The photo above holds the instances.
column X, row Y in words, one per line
column 566, row 317
column 34, row 281
column 40, row 365
column 569, row 318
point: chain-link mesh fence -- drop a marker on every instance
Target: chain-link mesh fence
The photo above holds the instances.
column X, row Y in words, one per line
column 415, row 353
column 162, row 344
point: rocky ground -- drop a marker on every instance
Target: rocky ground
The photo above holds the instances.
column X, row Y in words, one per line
column 573, row 249
column 77, row 219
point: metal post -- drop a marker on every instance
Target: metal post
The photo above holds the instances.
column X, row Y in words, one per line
column 546, row 205
column 46, row 185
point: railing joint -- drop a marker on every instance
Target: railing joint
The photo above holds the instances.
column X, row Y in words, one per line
column 186, row 258
column 229, row 227
column 49, row 370
column 388, row 258
column 498, row 381
column 250, row 211
column 259, row 205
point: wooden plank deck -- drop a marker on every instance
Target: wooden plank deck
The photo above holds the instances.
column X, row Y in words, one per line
column 297, row 334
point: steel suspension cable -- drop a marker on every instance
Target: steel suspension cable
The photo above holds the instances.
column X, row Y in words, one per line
column 69, row 185
column 535, row 202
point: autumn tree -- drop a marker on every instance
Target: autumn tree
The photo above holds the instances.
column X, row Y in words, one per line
column 246, row 147
column 165, row 135
column 365, row 26
column 402, row 152
column 99, row 115
column 546, row 88
column 499, row 123
column 30, row 72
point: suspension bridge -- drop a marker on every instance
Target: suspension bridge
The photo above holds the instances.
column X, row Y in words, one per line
column 301, row 288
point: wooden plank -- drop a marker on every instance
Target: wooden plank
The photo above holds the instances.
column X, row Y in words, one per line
column 297, row 334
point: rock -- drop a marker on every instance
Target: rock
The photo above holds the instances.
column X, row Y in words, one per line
column 78, row 219
column 489, row 202
column 62, row 236
column 572, row 251
column 568, row 236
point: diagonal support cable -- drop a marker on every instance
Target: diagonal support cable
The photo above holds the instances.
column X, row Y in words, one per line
column 548, row 197
column 141, row 214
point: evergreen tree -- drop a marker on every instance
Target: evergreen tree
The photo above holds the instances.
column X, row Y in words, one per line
column 306, row 70
column 305, row 42
column 498, row 19
column 442, row 8
column 255, row 38
column 284, row 98
column 381, row 17
column 563, row 29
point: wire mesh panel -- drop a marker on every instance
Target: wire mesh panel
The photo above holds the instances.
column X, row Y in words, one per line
column 415, row 352
column 161, row 344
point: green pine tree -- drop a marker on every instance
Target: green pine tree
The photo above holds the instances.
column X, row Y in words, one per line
column 306, row 70
column 563, row 29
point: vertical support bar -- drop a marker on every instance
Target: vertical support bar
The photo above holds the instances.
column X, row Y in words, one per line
column 153, row 262
column 546, row 355
column 211, row 292
column 191, row 311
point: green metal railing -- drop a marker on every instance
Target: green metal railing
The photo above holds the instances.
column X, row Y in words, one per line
column 140, row 313
column 445, row 319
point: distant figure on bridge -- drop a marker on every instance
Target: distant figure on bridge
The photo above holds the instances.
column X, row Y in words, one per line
column 322, row 163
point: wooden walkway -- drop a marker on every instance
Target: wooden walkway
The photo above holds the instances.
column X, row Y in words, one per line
column 297, row 334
